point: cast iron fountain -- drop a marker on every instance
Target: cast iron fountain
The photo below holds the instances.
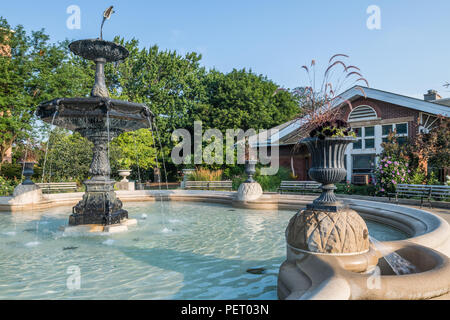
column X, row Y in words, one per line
column 98, row 118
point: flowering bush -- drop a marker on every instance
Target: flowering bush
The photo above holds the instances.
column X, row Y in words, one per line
column 389, row 173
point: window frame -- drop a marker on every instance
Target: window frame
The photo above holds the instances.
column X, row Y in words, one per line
column 363, row 138
column 399, row 135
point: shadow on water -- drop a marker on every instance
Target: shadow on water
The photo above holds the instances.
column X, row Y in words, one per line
column 207, row 273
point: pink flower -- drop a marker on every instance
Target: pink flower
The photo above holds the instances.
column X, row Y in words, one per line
column 386, row 165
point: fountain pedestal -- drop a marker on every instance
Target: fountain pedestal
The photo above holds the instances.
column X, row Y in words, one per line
column 326, row 229
column 99, row 205
column 327, row 226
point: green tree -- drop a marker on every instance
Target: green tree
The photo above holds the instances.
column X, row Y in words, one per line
column 169, row 83
column 135, row 149
column 31, row 71
column 69, row 157
column 242, row 99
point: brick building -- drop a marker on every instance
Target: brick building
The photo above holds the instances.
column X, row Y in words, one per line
column 372, row 117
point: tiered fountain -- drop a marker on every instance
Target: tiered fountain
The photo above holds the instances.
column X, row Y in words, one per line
column 98, row 118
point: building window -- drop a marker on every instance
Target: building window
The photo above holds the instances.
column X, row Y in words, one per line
column 366, row 138
column 401, row 130
column 363, row 163
column 362, row 113
column 369, row 143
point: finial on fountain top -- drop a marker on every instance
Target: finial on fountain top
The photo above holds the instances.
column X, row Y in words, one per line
column 100, row 51
column 106, row 16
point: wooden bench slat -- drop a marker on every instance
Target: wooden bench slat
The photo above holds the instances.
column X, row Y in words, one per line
column 52, row 186
column 425, row 192
column 295, row 186
column 209, row 185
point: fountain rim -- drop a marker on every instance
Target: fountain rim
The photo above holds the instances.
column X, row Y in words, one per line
column 95, row 102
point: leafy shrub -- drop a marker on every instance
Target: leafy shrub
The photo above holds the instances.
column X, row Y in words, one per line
column 7, row 186
column 11, row 171
column 418, row 177
column 268, row 183
column 347, row 188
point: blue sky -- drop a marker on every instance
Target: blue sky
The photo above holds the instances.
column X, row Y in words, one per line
column 409, row 55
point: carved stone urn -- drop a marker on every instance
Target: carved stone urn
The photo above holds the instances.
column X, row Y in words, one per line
column 250, row 190
column 250, row 170
column 328, row 226
column 124, row 173
column 28, row 171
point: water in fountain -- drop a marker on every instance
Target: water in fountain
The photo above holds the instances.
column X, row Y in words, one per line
column 162, row 155
column 163, row 220
column 399, row 265
column 24, row 160
column 48, row 143
column 137, row 159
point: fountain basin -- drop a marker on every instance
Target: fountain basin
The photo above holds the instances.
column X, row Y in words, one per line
column 324, row 278
column 178, row 250
column 93, row 49
column 84, row 113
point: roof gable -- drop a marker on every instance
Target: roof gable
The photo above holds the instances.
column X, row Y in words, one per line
column 397, row 99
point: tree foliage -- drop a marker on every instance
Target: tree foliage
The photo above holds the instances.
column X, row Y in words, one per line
column 135, row 149
column 33, row 70
column 242, row 99
column 69, row 157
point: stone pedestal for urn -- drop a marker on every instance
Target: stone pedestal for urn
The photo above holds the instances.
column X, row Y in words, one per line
column 99, row 119
column 125, row 184
column 27, row 192
column 327, row 227
column 250, row 190
column 125, row 173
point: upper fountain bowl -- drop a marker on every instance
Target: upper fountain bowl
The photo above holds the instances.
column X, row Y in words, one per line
column 93, row 49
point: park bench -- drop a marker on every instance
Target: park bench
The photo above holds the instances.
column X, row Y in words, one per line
column 209, row 185
column 424, row 192
column 298, row 186
column 57, row 186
